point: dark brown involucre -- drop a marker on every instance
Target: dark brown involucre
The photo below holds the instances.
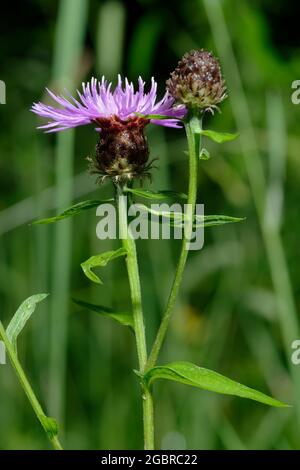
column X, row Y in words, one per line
column 197, row 80
column 122, row 151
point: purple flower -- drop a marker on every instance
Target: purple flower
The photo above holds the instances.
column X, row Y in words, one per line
column 98, row 102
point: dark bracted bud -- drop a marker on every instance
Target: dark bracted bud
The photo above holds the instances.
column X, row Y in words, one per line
column 122, row 151
column 197, row 80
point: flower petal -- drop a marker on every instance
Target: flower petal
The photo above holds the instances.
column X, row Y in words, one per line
column 98, row 101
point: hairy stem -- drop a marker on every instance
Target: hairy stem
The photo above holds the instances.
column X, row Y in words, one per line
column 136, row 299
column 192, row 125
column 27, row 389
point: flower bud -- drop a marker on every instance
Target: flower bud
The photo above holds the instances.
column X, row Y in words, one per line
column 197, row 81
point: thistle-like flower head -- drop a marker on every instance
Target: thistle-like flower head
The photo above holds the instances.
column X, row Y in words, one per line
column 120, row 117
column 197, row 81
column 98, row 101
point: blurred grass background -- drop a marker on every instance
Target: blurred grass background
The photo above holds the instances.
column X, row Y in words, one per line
column 238, row 309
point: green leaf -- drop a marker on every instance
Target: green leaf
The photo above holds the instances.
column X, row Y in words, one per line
column 73, row 210
column 125, row 318
column 170, row 215
column 49, row 424
column 98, row 261
column 165, row 194
column 219, row 137
column 21, row 317
column 190, row 374
column 178, row 218
column 212, row 220
column 156, row 117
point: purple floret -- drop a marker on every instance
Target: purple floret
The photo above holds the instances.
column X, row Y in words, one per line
column 97, row 101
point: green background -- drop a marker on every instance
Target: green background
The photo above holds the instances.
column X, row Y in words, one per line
column 238, row 307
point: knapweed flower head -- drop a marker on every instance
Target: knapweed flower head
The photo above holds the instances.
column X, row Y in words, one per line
column 119, row 116
column 197, row 81
column 97, row 101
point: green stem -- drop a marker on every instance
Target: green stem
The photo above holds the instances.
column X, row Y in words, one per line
column 136, row 299
column 192, row 125
column 148, row 417
column 28, row 390
column 56, row 444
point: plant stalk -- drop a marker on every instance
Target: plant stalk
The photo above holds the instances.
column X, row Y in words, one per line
column 27, row 387
column 139, row 327
column 192, row 125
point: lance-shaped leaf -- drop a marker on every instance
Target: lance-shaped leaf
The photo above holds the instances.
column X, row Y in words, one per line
column 125, row 318
column 98, row 261
column 156, row 117
column 21, row 317
column 172, row 215
column 158, row 195
column 219, row 137
column 190, row 374
column 73, row 210
column 213, row 220
column 177, row 218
